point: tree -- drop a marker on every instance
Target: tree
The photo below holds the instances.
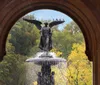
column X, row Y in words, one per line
column 79, row 71
column 57, row 52
column 63, row 40
column 9, row 47
column 23, row 37
column 12, row 68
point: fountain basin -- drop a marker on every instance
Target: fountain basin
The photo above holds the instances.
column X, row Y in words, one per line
column 44, row 58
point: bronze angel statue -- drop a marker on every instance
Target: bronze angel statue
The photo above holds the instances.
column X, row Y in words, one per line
column 46, row 33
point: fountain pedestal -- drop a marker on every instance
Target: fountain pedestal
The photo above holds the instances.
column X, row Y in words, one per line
column 45, row 77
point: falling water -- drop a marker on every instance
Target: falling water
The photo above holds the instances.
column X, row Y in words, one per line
column 60, row 73
column 31, row 73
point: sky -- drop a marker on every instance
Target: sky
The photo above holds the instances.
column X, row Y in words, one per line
column 46, row 14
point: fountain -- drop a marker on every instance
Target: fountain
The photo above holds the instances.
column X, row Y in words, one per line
column 45, row 59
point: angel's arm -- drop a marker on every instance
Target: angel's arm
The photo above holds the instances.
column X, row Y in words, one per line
column 55, row 23
column 36, row 22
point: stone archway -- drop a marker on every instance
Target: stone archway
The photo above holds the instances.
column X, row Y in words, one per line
column 13, row 10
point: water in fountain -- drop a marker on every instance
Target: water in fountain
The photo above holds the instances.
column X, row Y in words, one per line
column 44, row 62
column 46, row 58
column 31, row 73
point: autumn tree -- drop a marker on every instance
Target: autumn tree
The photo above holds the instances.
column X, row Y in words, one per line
column 79, row 71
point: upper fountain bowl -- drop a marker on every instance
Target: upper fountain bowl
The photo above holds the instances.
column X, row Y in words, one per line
column 47, row 58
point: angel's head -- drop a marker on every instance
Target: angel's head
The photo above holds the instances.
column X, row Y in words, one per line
column 46, row 24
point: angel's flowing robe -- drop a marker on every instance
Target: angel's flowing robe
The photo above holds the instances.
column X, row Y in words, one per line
column 46, row 39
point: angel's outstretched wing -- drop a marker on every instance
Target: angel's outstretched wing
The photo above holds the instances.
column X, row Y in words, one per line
column 55, row 23
column 36, row 22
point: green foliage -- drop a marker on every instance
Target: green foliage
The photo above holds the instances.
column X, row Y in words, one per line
column 23, row 37
column 9, row 47
column 11, row 68
column 63, row 40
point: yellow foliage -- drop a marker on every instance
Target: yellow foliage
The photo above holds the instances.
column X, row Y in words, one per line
column 58, row 53
column 79, row 71
column 60, row 75
column 77, row 52
column 35, row 83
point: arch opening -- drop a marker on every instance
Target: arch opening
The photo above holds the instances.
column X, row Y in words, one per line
column 67, row 10
column 34, row 67
column 86, row 21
